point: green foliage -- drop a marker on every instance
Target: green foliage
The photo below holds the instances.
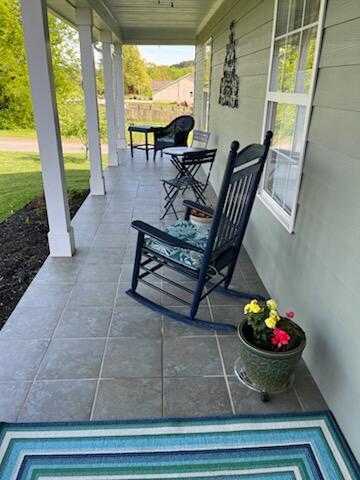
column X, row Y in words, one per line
column 267, row 330
column 257, row 321
column 73, row 121
column 15, row 102
column 136, row 78
column 15, row 99
column 65, row 59
column 173, row 72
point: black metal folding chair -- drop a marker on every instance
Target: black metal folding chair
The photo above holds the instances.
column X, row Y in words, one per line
column 187, row 170
column 209, row 258
column 189, row 165
column 200, row 138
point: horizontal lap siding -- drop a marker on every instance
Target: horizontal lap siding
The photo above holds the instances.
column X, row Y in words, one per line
column 315, row 271
column 252, row 30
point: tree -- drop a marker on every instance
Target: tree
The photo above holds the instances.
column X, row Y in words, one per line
column 136, row 78
column 172, row 72
column 65, row 54
column 15, row 99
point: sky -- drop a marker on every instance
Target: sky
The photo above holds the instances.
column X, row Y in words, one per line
column 167, row 54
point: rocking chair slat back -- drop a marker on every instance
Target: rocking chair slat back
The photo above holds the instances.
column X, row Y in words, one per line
column 236, row 197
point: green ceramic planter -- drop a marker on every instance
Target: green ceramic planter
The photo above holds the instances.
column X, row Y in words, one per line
column 269, row 371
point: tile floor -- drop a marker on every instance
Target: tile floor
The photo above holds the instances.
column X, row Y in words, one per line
column 78, row 348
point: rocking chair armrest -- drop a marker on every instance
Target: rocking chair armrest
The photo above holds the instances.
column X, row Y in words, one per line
column 163, row 237
column 189, row 204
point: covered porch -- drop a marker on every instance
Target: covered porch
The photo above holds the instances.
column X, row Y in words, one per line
column 88, row 351
column 78, row 348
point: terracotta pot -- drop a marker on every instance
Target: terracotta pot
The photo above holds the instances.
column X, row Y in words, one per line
column 267, row 370
column 201, row 222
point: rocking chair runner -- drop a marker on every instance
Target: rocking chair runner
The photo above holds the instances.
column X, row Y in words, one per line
column 200, row 255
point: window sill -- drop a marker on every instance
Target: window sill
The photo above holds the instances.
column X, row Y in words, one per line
column 285, row 219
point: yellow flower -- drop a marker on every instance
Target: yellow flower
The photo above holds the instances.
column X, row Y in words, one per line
column 270, row 322
column 271, row 304
column 252, row 307
column 255, row 308
column 274, row 314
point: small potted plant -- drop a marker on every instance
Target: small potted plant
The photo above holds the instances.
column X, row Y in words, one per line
column 200, row 219
column 270, row 345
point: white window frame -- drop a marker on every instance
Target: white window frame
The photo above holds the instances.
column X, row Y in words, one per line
column 286, row 219
column 205, row 116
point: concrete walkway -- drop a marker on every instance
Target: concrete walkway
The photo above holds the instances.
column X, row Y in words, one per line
column 78, row 348
column 23, row 144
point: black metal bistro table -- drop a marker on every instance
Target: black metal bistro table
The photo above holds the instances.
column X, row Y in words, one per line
column 146, row 129
column 177, row 154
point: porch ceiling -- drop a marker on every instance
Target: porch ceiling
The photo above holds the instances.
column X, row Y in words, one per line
column 144, row 22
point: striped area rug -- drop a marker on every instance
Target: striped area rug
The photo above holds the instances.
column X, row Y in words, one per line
column 281, row 447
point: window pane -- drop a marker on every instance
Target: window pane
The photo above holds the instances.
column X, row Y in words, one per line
column 289, row 16
column 206, row 86
column 285, row 61
column 282, row 17
column 296, row 13
column 306, row 60
column 311, row 11
column 282, row 170
column 207, row 66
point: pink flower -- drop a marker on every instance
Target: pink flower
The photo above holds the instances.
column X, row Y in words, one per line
column 280, row 337
column 290, row 314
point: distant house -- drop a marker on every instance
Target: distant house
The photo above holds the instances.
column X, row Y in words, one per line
column 180, row 90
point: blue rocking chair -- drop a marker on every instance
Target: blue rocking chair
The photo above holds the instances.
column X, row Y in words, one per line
column 208, row 257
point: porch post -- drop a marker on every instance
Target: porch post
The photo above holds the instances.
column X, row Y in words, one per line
column 84, row 21
column 106, row 38
column 37, row 44
column 119, row 96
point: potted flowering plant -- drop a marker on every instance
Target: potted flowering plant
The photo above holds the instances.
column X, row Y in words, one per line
column 201, row 219
column 271, row 345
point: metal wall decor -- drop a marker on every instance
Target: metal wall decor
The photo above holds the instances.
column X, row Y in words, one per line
column 229, row 87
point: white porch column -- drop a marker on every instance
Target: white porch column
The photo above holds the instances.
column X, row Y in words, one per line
column 106, row 39
column 84, row 21
column 119, row 96
column 37, row 43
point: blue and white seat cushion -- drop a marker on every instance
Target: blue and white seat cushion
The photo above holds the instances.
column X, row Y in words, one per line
column 186, row 231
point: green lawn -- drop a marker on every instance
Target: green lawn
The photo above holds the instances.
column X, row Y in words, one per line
column 18, row 132
column 21, row 182
column 21, row 133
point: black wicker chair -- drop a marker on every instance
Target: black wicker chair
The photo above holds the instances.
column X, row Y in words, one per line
column 173, row 135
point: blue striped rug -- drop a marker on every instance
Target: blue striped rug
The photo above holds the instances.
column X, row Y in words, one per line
column 281, row 447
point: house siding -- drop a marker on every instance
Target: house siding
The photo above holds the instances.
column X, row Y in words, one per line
column 179, row 91
column 316, row 270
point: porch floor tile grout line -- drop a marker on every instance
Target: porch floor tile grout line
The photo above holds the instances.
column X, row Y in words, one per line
column 92, row 412
column 49, row 343
column 87, row 379
column 222, row 361
column 298, row 398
